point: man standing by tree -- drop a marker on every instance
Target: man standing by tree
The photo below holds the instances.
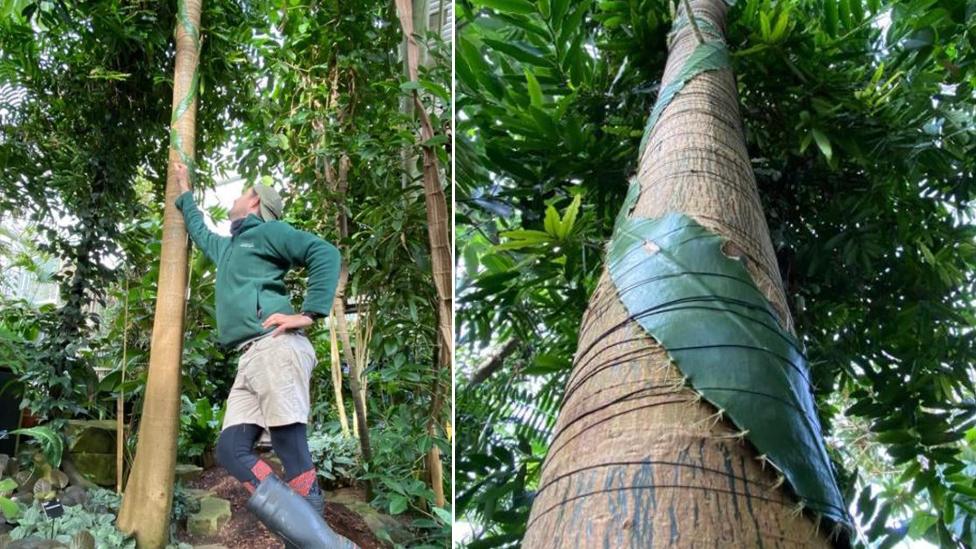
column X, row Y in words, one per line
column 271, row 389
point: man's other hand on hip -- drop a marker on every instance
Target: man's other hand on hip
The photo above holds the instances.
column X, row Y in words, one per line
column 286, row 322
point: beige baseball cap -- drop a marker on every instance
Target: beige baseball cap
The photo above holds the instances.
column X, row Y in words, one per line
column 271, row 204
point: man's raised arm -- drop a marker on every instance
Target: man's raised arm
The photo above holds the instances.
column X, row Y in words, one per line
column 205, row 239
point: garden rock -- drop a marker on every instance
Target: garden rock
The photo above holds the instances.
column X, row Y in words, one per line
column 26, row 498
column 4, row 462
column 377, row 522
column 213, row 515
column 187, row 472
column 97, row 468
column 197, row 493
column 36, row 543
column 90, row 436
column 74, row 495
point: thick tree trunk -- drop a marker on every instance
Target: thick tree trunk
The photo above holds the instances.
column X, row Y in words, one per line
column 440, row 246
column 148, row 495
column 637, row 458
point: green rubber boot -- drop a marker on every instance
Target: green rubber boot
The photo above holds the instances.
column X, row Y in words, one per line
column 290, row 517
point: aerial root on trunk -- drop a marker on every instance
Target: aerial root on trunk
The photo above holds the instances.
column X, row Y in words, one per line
column 797, row 509
column 711, row 421
column 816, row 525
column 780, row 479
column 677, row 383
column 739, row 436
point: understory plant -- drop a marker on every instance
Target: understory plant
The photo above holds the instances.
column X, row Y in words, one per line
column 336, row 458
column 96, row 516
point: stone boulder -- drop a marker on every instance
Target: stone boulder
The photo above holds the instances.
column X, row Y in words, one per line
column 91, row 444
column 96, row 468
column 188, row 472
column 214, row 513
column 90, row 436
column 379, row 523
column 74, row 495
column 36, row 543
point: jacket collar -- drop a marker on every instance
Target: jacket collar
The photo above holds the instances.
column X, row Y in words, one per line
column 249, row 222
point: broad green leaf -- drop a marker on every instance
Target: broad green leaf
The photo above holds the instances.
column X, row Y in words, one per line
column 764, row 29
column 845, row 13
column 552, row 221
column 569, row 217
column 51, row 443
column 535, row 91
column 779, row 29
column 9, row 508
column 830, row 17
column 398, row 504
column 706, row 312
column 822, row 142
column 443, row 514
column 558, row 11
column 519, row 50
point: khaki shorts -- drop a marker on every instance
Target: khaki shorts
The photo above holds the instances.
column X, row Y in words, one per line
column 272, row 382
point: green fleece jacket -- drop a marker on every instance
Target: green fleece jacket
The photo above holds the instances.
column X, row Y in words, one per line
column 251, row 267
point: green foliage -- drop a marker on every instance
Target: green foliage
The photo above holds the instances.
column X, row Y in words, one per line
column 70, row 159
column 200, row 423
column 85, row 97
column 50, row 441
column 872, row 226
column 336, row 457
column 399, row 449
column 8, row 507
column 96, row 517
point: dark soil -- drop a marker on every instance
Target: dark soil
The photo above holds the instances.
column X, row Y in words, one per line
column 245, row 531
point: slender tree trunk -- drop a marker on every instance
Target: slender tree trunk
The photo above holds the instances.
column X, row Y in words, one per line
column 494, row 362
column 340, row 185
column 637, row 458
column 440, row 247
column 148, row 496
column 337, row 375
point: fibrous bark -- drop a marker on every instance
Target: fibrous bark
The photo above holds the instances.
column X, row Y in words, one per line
column 148, row 496
column 638, row 457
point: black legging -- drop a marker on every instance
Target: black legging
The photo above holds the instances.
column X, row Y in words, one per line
column 290, row 443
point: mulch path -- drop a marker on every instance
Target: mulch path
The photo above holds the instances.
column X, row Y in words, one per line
column 245, row 531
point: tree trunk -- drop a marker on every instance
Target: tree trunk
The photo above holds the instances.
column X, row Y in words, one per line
column 148, row 496
column 639, row 459
column 440, row 247
column 339, row 185
column 337, row 375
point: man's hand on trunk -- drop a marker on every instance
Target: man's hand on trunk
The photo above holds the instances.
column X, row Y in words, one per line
column 286, row 322
column 182, row 176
